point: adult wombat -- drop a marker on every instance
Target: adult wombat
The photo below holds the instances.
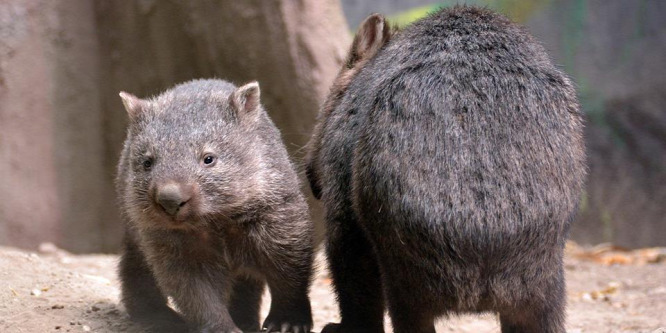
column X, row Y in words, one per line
column 213, row 212
column 450, row 160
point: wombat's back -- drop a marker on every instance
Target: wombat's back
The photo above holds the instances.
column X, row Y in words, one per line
column 472, row 141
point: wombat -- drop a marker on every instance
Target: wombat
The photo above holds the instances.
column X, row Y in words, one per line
column 213, row 211
column 450, row 160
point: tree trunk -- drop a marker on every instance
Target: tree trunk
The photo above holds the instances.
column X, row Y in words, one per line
column 51, row 166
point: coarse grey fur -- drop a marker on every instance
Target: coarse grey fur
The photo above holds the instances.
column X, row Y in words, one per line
column 213, row 212
column 450, row 161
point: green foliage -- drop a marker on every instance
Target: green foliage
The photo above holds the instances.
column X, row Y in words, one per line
column 607, row 225
column 518, row 10
column 409, row 16
column 584, row 202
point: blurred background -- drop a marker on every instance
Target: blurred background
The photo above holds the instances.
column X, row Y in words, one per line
column 63, row 62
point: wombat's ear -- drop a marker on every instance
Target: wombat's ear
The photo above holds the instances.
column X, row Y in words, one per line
column 133, row 104
column 373, row 33
column 245, row 99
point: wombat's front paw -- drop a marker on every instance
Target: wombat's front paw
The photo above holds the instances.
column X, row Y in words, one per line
column 166, row 321
column 218, row 329
column 339, row 328
column 287, row 323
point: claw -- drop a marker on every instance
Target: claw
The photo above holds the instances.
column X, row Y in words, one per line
column 285, row 328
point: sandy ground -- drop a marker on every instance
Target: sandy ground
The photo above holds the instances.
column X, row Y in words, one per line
column 54, row 291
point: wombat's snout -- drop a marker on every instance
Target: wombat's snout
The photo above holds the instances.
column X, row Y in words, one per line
column 172, row 197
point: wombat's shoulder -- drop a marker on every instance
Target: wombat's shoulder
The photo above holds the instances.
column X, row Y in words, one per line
column 459, row 20
column 466, row 31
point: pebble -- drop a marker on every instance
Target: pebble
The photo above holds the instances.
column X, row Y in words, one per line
column 48, row 248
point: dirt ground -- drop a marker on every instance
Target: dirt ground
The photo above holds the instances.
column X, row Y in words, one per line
column 609, row 290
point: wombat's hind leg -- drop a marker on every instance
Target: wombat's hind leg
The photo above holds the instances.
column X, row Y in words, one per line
column 245, row 303
column 545, row 316
column 535, row 319
column 143, row 300
column 353, row 266
column 408, row 313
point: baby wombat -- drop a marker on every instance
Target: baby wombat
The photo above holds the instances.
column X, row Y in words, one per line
column 450, row 160
column 213, row 212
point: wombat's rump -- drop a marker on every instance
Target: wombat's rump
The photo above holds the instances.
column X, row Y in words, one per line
column 450, row 164
column 213, row 213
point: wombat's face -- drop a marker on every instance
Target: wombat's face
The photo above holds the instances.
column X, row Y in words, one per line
column 189, row 161
column 372, row 35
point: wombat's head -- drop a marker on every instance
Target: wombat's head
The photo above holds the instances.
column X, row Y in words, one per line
column 372, row 35
column 192, row 156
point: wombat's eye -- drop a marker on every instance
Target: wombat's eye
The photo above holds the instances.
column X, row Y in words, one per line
column 209, row 160
column 147, row 164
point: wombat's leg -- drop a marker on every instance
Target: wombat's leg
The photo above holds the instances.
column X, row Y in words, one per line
column 144, row 302
column 356, row 277
column 544, row 315
column 196, row 292
column 533, row 319
column 408, row 316
column 290, row 309
column 245, row 302
column 288, row 280
column 408, row 307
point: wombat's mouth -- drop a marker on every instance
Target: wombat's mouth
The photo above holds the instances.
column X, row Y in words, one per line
column 183, row 218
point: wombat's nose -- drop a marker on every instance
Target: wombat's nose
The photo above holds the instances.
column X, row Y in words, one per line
column 172, row 197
